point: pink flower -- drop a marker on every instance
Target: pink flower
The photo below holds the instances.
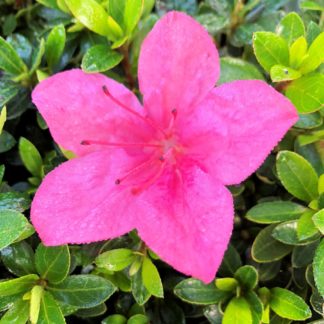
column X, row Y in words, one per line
column 161, row 168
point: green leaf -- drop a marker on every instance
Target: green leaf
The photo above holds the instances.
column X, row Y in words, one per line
column 35, row 301
column 315, row 55
column 16, row 286
column 83, row 291
column 138, row 319
column 289, row 305
column 286, row 232
column 37, row 57
column 3, row 117
column 305, row 226
column 115, row 319
column 237, row 312
column 17, row 314
column 318, row 220
column 53, row 263
column 297, row 175
column 275, row 212
column 318, row 266
column 231, row 262
column 7, row 142
column 196, row 292
column 151, row 278
column 213, row 314
column 247, row 276
column 12, row 225
column 213, row 22
column 132, row 14
column 100, row 58
column 91, row 14
column 236, row 69
column 9, row 59
column 54, row 45
column 256, row 306
column 270, row 49
column 115, row 260
column 267, row 249
column 297, row 52
column 311, row 5
column 14, row 200
column 279, row 73
column 309, row 121
column 91, row 312
column 313, row 30
column 31, row 157
column 291, row 27
column 303, row 255
column 8, row 90
column 140, row 293
column 226, row 284
column 19, row 258
column 50, row 312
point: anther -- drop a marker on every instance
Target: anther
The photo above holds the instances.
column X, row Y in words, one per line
column 85, row 143
column 174, row 112
column 117, row 181
column 161, row 158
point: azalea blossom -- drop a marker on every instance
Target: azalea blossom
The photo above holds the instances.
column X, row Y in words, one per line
column 160, row 167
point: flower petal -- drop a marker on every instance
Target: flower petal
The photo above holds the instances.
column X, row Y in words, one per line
column 256, row 116
column 79, row 202
column 189, row 222
column 178, row 63
column 75, row 108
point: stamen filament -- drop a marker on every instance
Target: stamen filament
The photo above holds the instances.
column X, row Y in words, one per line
column 121, row 105
column 92, row 142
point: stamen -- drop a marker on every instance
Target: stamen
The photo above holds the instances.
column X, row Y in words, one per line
column 94, row 142
column 174, row 113
column 121, row 105
column 148, row 183
column 136, row 169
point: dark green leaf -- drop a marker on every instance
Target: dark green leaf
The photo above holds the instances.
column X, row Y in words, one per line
column 16, row 286
column 256, row 306
column 318, row 266
column 92, row 312
column 303, row 255
column 231, row 262
column 195, row 292
column 8, row 90
column 267, row 249
column 83, row 291
column 309, row 121
column 7, row 141
column 50, row 312
column 247, row 276
column 140, row 293
column 53, row 263
column 14, row 200
column 17, row 314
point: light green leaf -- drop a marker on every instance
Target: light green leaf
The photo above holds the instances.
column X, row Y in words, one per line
column 275, row 212
column 237, row 312
column 35, row 300
column 318, row 268
column 115, row 260
column 100, row 58
column 318, row 220
column 270, row 49
column 305, row 226
column 267, row 249
column 196, row 292
column 12, row 225
column 297, row 175
column 50, row 312
column 3, row 117
column 151, row 278
column 307, row 93
column 9, row 59
column 226, row 284
column 83, row 291
column 311, row 5
column 140, row 293
column 53, row 262
column 18, row 285
column 138, row 319
column 54, row 45
column 289, row 305
column 115, row 319
column 297, row 52
column 17, row 314
column 291, row 27
column 256, row 306
column 91, row 14
column 279, row 73
column 31, row 157
column 315, row 55
column 132, row 14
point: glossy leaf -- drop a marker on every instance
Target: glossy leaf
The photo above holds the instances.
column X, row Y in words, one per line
column 247, row 276
column 37, row 57
column 132, row 14
column 237, row 311
column 305, row 226
column 115, row 319
column 139, row 291
column 54, row 45
column 53, row 263
column 138, row 319
column 275, row 212
column 318, row 266
column 36, row 295
column 100, row 58
column 289, row 305
column 318, row 220
column 50, row 312
column 291, row 27
column 270, row 49
column 14, row 200
column 256, row 306
column 151, row 278
column 267, row 249
column 226, row 284
column 279, row 73
column 115, row 260
column 196, row 292
column 16, row 286
column 297, row 52
column 297, row 175
column 17, row 314
column 12, row 225
column 83, row 291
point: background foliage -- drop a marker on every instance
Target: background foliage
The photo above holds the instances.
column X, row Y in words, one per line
column 273, row 270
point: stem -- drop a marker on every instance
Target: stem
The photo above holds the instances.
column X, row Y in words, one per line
column 127, row 66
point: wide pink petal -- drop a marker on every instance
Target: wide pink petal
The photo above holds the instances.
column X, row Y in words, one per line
column 178, row 64
column 79, row 202
column 256, row 117
column 75, row 108
column 188, row 222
